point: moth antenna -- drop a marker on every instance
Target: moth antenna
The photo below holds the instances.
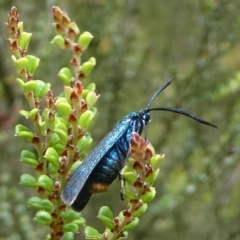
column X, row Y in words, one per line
column 183, row 112
column 159, row 91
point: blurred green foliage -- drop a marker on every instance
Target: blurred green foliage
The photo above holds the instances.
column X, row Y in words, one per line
column 139, row 45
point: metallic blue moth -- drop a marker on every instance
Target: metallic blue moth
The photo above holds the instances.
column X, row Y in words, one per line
column 105, row 161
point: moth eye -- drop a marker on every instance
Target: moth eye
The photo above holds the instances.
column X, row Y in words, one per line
column 146, row 117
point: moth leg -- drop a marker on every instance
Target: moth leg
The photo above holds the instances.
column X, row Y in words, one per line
column 122, row 187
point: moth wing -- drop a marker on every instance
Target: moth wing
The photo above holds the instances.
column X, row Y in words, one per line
column 80, row 176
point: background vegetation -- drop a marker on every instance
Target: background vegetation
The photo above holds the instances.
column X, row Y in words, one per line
column 139, row 45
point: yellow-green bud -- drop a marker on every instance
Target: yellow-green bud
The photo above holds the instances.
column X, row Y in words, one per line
column 84, row 40
column 58, row 40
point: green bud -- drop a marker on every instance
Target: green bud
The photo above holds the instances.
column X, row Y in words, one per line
column 20, row 27
column 29, row 158
column 128, row 174
column 46, row 183
column 28, row 181
column 152, row 178
column 68, row 236
column 70, row 227
column 20, row 82
column 52, row 156
column 63, row 136
column 67, row 92
column 69, row 215
column 20, row 64
column 85, row 92
column 65, row 75
column 52, row 169
column 23, row 132
column 43, row 217
column 91, row 87
column 84, row 143
column 24, row 113
column 92, row 233
column 32, row 114
column 75, row 166
column 43, row 204
column 84, row 40
column 80, row 222
column 61, row 125
column 41, row 89
column 141, row 210
column 29, row 86
column 32, row 64
column 106, row 216
column 63, row 107
column 24, row 39
column 58, row 40
column 34, row 202
column 74, row 27
column 88, row 66
column 92, row 60
column 130, row 194
column 55, row 139
column 91, row 99
column 20, row 128
column 132, row 224
column 156, row 160
column 149, row 196
column 59, row 147
column 86, row 118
